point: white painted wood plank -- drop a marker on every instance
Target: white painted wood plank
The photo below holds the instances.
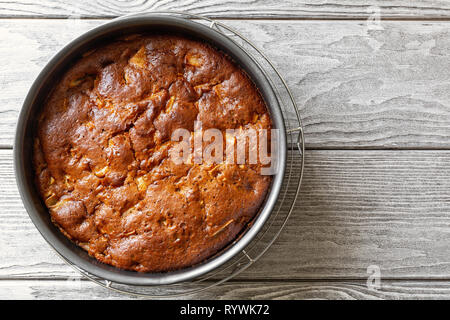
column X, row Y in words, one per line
column 356, row 87
column 333, row 290
column 356, row 209
column 292, row 9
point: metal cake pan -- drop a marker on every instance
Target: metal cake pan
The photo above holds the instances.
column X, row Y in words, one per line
column 23, row 145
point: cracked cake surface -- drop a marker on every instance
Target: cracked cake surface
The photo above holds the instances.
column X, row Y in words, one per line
column 102, row 146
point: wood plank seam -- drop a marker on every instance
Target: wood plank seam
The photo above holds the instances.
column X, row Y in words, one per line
column 356, row 88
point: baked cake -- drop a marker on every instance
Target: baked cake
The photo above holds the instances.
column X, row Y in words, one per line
column 103, row 143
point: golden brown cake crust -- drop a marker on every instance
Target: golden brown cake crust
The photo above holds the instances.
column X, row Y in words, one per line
column 102, row 160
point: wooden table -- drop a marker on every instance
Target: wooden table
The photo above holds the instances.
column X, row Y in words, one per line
column 375, row 101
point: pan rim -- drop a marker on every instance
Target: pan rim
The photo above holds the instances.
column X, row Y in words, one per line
column 131, row 277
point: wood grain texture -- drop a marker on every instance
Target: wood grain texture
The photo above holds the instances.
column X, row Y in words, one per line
column 356, row 209
column 287, row 9
column 356, row 87
column 73, row 288
column 359, row 85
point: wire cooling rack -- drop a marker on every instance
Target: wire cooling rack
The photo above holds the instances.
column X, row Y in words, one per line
column 286, row 200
